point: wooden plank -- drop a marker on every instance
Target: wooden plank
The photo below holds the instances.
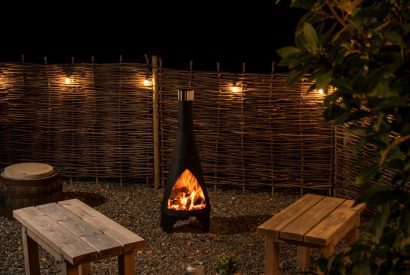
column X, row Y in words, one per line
column 129, row 240
column 288, row 215
column 296, row 230
column 31, row 259
column 354, row 233
column 335, row 226
column 56, row 236
column 105, row 246
column 58, row 255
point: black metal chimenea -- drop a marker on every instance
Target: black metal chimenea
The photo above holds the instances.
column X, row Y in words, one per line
column 185, row 192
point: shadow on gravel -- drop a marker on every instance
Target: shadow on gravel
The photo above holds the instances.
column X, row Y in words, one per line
column 223, row 225
column 91, row 199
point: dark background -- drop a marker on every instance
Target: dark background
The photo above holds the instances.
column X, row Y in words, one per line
column 229, row 32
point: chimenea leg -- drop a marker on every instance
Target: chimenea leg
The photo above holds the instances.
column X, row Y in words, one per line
column 167, row 222
column 204, row 219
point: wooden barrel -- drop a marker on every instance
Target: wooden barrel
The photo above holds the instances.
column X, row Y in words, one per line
column 30, row 183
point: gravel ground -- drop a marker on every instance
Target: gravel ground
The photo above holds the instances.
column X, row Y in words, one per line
column 234, row 219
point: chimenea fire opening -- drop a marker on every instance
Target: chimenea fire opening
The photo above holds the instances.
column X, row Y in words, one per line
column 185, row 192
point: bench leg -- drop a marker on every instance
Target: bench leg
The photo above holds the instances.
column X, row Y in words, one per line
column 85, row 269
column 69, row 269
column 327, row 251
column 271, row 256
column 126, row 264
column 31, row 259
column 303, row 257
column 354, row 233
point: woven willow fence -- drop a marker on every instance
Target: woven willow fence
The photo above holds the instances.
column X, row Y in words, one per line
column 101, row 124
column 350, row 163
column 97, row 126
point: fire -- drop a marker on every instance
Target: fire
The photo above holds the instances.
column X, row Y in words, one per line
column 186, row 194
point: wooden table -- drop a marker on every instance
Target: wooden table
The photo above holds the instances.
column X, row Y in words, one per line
column 77, row 235
column 312, row 221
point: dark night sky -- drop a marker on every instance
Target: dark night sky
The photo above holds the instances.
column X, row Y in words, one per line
column 229, row 32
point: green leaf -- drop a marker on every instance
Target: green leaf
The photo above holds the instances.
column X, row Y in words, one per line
column 323, row 79
column 393, row 37
column 285, row 51
column 295, row 75
column 303, row 4
column 310, row 36
column 343, row 85
column 362, row 267
column 396, row 164
column 407, row 166
column 360, row 144
column 380, row 220
column 366, row 159
column 294, row 60
column 374, row 11
column 350, row 116
column 381, row 73
column 392, row 102
column 333, row 111
column 355, row 22
column 359, row 83
column 377, row 195
column 368, row 174
column 358, row 130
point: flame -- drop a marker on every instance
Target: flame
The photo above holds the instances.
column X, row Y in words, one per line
column 186, row 194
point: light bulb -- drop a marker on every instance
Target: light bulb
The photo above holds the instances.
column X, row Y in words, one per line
column 147, row 82
column 236, row 89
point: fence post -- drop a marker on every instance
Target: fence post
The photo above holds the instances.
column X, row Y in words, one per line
column 155, row 122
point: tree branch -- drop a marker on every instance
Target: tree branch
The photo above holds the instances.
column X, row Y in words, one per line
column 396, row 142
column 334, row 13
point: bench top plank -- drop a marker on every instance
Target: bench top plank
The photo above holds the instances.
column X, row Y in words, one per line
column 129, row 240
column 296, row 230
column 56, row 236
column 105, row 245
column 285, row 217
column 335, row 225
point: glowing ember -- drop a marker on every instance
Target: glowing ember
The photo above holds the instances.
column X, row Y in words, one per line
column 186, row 194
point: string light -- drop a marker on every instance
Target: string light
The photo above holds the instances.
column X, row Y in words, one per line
column 147, row 80
column 67, row 80
column 236, row 87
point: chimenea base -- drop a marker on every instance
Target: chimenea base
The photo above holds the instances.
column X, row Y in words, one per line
column 168, row 221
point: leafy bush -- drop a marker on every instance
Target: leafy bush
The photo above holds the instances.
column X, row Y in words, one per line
column 361, row 49
column 226, row 265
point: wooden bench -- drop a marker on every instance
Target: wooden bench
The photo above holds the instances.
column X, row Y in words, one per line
column 312, row 221
column 77, row 235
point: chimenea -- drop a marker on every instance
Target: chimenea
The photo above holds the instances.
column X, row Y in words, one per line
column 185, row 192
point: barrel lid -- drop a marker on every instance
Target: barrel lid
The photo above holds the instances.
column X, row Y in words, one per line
column 28, row 171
